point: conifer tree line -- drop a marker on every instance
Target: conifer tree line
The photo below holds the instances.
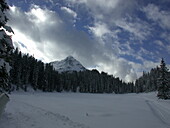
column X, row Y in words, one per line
column 26, row 70
column 148, row 81
column 164, row 82
column 158, row 79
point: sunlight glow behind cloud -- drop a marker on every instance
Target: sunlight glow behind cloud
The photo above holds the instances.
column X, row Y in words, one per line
column 119, row 37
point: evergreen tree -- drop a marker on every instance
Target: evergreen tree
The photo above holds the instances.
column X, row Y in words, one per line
column 27, row 70
column 148, row 81
column 163, row 87
column 41, row 77
column 35, row 76
column 6, row 47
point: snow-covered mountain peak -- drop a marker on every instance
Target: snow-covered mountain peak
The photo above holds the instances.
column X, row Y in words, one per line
column 68, row 64
column 70, row 58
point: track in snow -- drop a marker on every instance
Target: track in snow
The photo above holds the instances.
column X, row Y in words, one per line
column 160, row 113
column 28, row 116
column 73, row 110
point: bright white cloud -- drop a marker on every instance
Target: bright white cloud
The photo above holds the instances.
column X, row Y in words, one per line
column 99, row 29
column 119, row 68
column 37, row 14
column 27, row 45
column 46, row 35
column 52, row 38
column 30, row 28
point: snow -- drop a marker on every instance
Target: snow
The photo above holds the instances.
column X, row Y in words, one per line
column 78, row 110
column 69, row 64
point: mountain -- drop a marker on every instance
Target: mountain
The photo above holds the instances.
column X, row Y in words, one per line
column 68, row 64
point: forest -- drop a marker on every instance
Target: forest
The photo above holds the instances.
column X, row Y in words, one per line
column 18, row 71
column 28, row 71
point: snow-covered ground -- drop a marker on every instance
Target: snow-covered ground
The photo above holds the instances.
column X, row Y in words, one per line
column 76, row 110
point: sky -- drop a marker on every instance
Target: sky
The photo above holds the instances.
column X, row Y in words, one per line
column 120, row 37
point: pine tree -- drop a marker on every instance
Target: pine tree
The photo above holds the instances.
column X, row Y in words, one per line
column 35, row 76
column 41, row 75
column 163, row 87
column 6, row 47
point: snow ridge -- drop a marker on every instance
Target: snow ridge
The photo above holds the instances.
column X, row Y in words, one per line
column 69, row 64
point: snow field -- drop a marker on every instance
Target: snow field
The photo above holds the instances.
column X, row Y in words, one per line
column 77, row 110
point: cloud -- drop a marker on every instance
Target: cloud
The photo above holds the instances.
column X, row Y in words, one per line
column 99, row 29
column 69, row 11
column 166, row 36
column 50, row 38
column 154, row 13
column 126, row 18
column 159, row 43
column 138, row 28
column 150, row 64
column 30, row 28
column 113, row 18
column 163, row 46
column 119, row 68
column 101, row 8
column 143, row 51
column 69, row 15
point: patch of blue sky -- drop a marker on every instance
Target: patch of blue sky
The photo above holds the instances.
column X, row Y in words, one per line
column 162, row 3
column 25, row 6
column 124, row 36
column 84, row 19
column 131, row 58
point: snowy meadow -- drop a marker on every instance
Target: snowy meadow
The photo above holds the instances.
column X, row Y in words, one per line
column 80, row 110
